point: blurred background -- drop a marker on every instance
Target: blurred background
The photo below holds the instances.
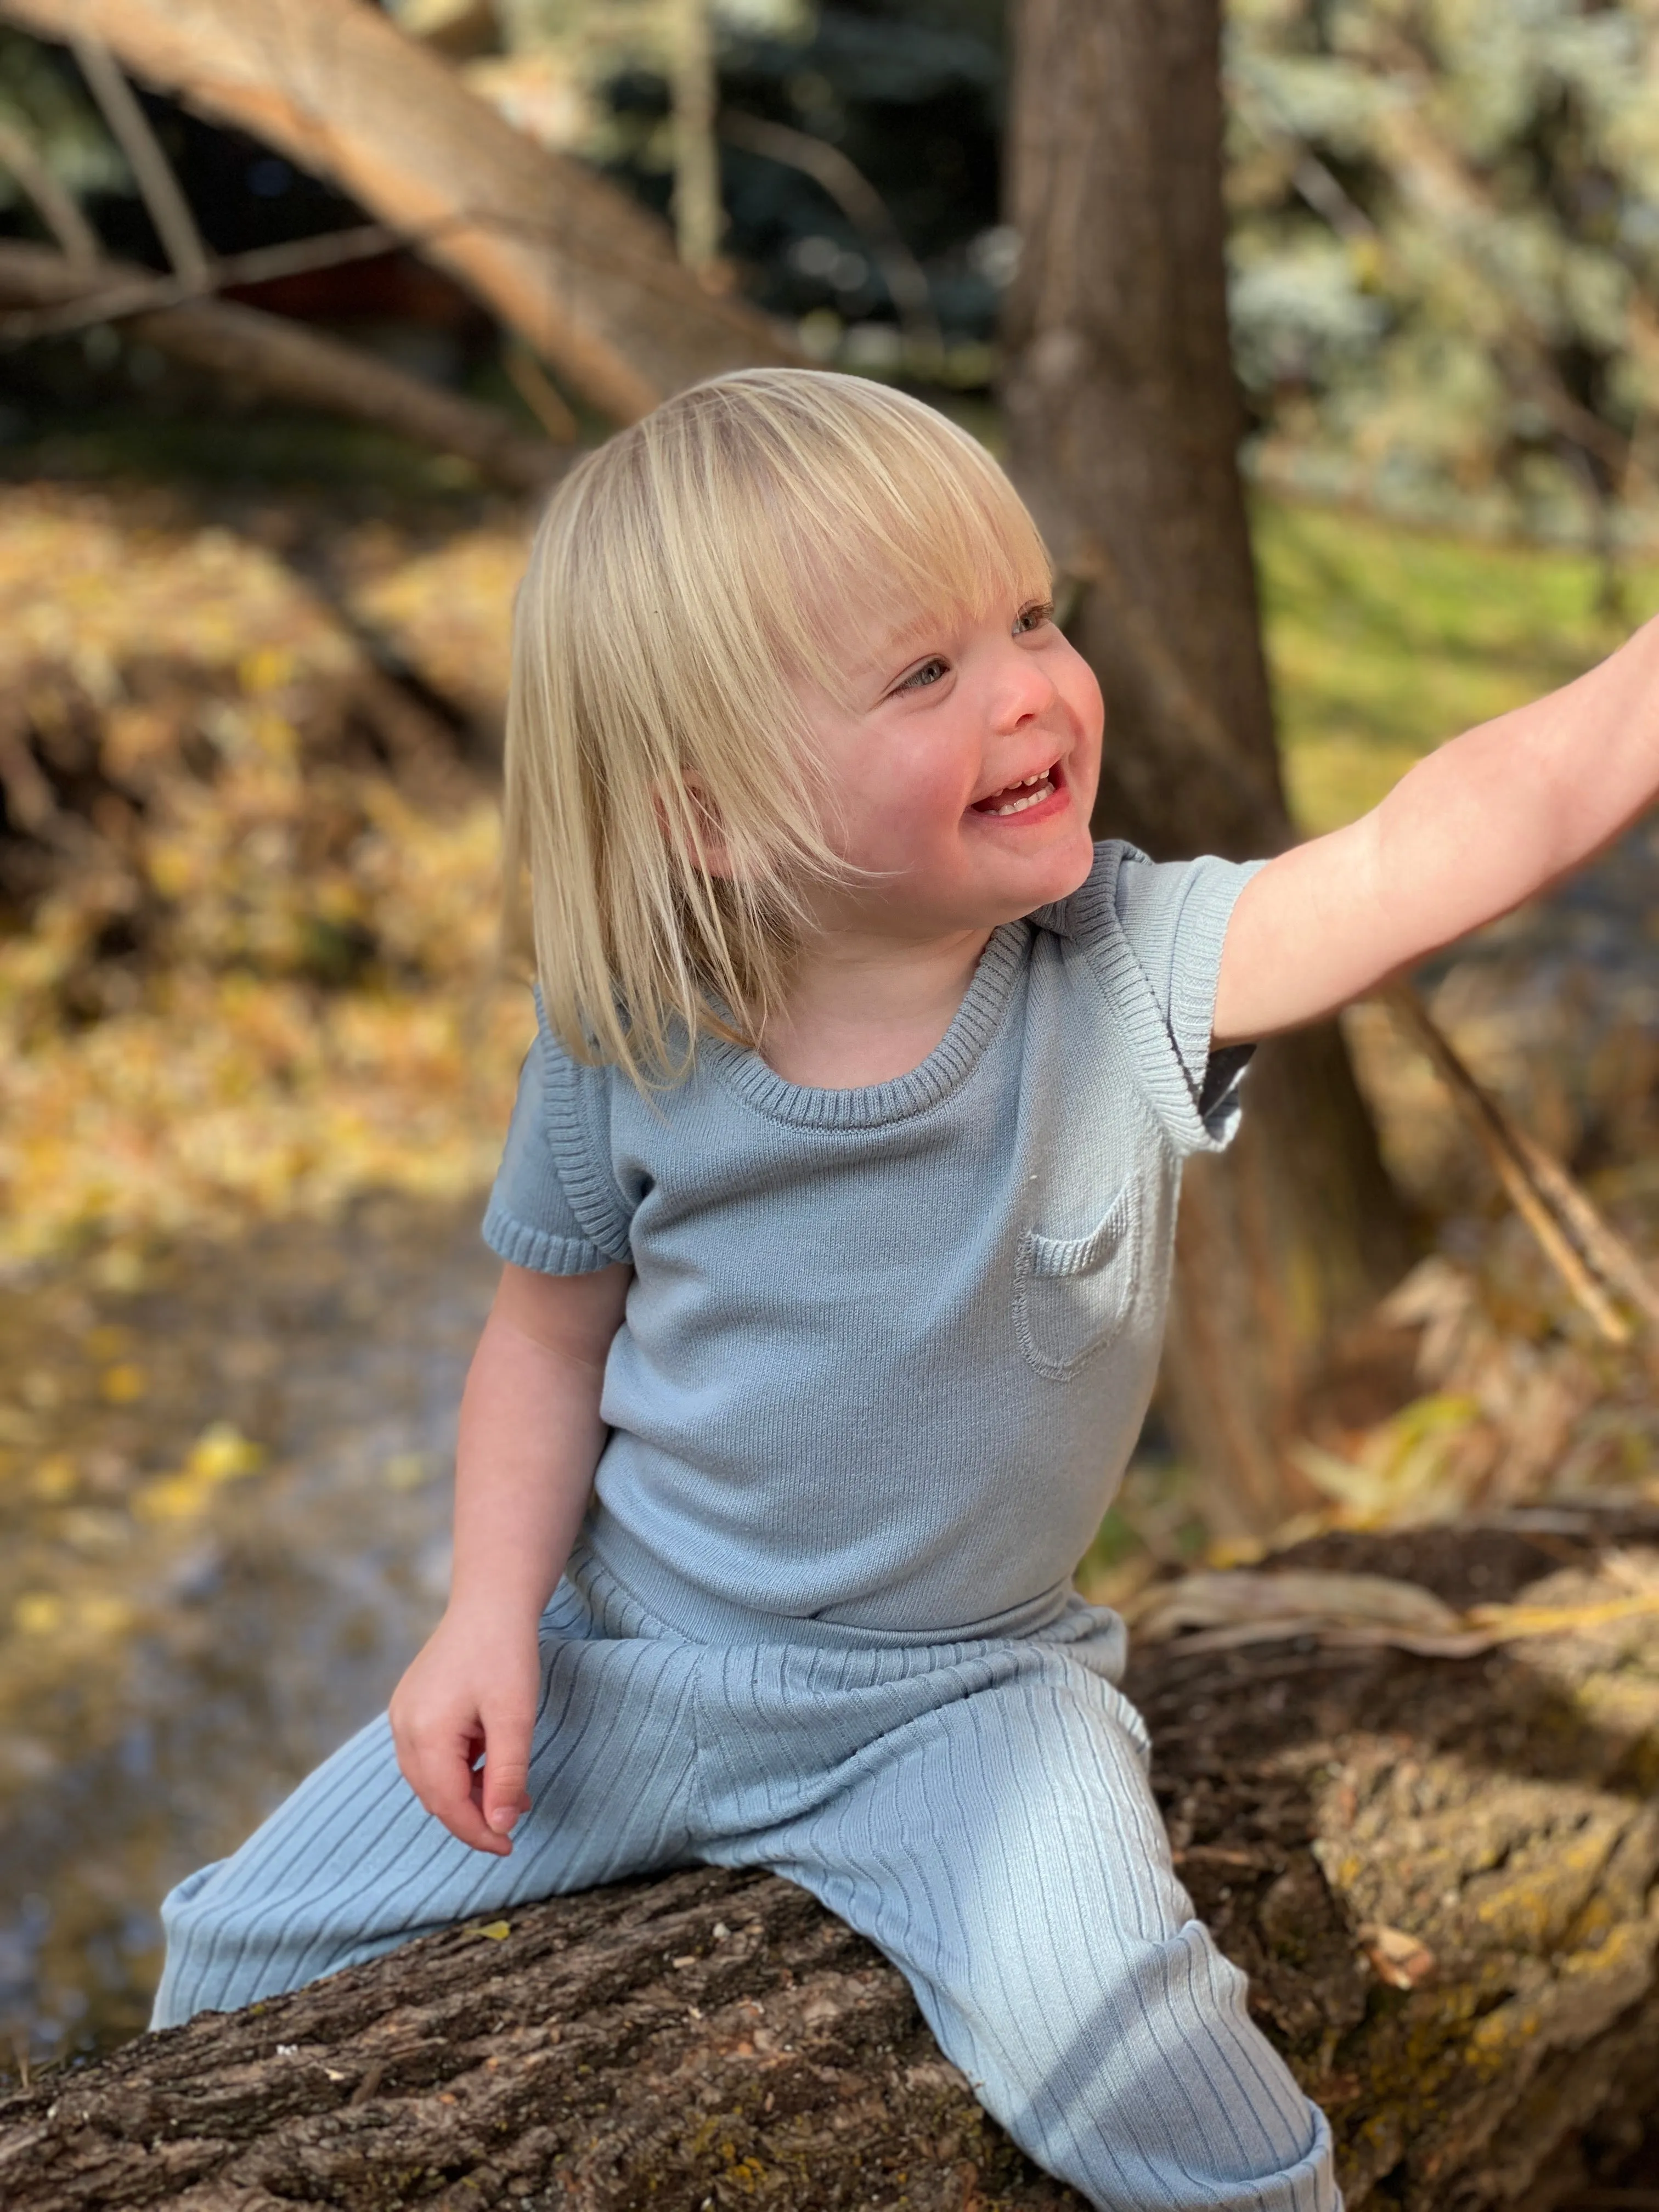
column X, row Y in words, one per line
column 262, row 513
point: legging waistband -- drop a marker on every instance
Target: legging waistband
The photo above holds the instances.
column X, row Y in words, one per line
column 607, row 1554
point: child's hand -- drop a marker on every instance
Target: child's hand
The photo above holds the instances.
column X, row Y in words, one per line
column 472, row 1689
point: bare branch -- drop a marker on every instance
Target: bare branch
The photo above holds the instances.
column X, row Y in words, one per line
column 137, row 291
column 858, row 201
column 169, row 210
column 529, row 380
column 588, row 279
column 1324, row 194
column 289, row 362
column 57, row 208
column 1592, row 1258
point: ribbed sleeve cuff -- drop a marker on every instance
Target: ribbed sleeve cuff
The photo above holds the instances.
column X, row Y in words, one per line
column 538, row 1249
column 1171, row 1042
column 1196, row 971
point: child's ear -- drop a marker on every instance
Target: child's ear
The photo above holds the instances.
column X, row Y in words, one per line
column 704, row 830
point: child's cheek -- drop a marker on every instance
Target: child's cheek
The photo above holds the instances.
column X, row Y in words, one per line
column 912, row 806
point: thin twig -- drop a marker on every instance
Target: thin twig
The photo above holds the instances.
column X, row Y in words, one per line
column 541, row 231
column 1523, row 1195
column 152, row 171
column 859, row 202
column 1592, row 1258
column 57, row 208
column 286, row 362
column 1618, row 1265
column 115, row 301
column 531, row 383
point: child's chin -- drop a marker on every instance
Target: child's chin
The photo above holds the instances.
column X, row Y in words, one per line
column 1064, row 870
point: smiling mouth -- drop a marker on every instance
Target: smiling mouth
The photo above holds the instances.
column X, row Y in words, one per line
column 1015, row 798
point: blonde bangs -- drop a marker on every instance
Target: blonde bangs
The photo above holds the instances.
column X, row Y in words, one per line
column 689, row 581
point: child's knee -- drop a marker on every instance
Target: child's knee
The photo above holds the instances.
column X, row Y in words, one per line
column 1191, row 2131
column 1140, row 2078
column 195, row 1929
column 226, row 1948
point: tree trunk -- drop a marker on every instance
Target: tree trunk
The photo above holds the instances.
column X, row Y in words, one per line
column 283, row 361
column 1124, row 424
column 588, row 278
column 1441, row 1875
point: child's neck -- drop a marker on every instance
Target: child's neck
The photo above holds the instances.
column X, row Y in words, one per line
column 864, row 1010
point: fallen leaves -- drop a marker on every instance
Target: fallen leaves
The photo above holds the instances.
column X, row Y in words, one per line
column 1212, row 1611
column 1399, row 1959
column 221, row 1454
column 260, row 974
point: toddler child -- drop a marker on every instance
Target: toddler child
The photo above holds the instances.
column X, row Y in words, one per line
column 837, row 1210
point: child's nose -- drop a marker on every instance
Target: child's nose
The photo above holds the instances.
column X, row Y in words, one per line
column 1024, row 692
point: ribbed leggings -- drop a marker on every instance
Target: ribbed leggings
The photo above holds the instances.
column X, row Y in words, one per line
column 979, row 1809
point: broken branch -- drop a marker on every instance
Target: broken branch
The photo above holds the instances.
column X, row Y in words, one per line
column 57, row 208
column 289, row 362
column 589, row 279
column 152, row 171
column 1592, row 1258
column 136, row 289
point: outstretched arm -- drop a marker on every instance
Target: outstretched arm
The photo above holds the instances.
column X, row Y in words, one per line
column 530, row 1439
column 1493, row 817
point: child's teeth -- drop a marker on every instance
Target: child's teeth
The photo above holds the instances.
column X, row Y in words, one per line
column 1036, row 799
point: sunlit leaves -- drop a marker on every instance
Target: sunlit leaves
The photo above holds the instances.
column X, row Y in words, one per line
column 260, row 972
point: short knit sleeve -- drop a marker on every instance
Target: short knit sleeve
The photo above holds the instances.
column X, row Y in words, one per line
column 554, row 1208
column 1154, row 931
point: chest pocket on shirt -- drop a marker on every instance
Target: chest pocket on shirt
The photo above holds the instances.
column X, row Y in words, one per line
column 1072, row 1295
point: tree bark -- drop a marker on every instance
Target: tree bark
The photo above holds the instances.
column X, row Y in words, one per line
column 588, row 278
column 1124, row 424
column 1442, row 1876
column 284, row 360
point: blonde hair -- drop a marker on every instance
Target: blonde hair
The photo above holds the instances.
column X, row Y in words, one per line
column 690, row 581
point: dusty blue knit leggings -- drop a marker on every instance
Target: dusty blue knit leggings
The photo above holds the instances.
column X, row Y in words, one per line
column 979, row 1809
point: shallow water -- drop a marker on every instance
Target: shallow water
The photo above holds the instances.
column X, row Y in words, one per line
column 189, row 1634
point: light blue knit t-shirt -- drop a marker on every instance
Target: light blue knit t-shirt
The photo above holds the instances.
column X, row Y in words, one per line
column 887, row 1350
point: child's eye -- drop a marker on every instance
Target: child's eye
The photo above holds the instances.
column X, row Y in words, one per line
column 929, row 673
column 1033, row 617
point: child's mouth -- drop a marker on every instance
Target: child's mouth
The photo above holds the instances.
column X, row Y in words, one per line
column 1017, row 798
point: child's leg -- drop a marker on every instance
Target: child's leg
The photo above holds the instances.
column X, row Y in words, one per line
column 351, row 1865
column 997, row 1839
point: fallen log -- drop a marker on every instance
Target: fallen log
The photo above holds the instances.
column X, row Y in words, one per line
column 587, row 278
column 1441, row 1875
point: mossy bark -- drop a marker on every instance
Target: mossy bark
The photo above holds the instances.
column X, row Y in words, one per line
column 710, row 2039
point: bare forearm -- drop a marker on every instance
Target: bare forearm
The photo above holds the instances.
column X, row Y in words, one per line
column 524, row 1467
column 1511, row 807
column 531, row 1437
column 1485, row 822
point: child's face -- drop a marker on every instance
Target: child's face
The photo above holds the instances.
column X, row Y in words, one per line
column 962, row 772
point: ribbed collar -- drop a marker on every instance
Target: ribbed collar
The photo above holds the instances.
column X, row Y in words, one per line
column 952, row 1059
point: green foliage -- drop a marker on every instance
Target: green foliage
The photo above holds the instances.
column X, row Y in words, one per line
column 1384, row 641
column 1446, row 248
column 38, row 95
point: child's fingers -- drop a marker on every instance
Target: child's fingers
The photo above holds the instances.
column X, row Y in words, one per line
column 454, row 1801
column 437, row 1765
column 505, row 1795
